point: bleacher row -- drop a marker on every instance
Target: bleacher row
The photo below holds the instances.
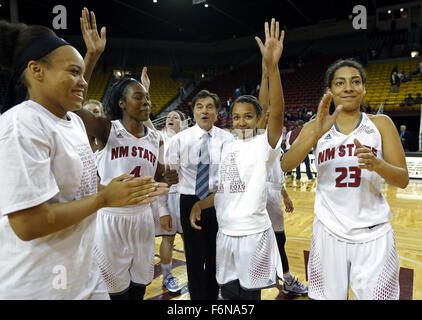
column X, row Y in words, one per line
column 303, row 87
column 378, row 86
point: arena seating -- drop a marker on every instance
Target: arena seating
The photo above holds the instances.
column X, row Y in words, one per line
column 163, row 88
column 378, row 85
column 97, row 85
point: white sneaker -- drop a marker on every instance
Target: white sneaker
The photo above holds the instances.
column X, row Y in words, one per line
column 171, row 284
column 294, row 288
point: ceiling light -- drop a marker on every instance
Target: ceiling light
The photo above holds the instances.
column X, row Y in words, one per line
column 206, row 5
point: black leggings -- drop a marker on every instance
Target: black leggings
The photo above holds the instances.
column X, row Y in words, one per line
column 134, row 292
column 233, row 291
column 281, row 241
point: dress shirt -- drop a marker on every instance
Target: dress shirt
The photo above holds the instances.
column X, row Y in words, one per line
column 183, row 155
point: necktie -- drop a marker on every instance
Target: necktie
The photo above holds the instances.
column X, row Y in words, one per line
column 202, row 173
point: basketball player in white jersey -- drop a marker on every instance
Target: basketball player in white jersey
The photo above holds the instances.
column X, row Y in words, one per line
column 49, row 197
column 126, row 237
column 247, row 255
column 353, row 243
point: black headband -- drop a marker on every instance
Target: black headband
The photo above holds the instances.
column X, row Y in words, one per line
column 37, row 49
column 181, row 115
column 40, row 47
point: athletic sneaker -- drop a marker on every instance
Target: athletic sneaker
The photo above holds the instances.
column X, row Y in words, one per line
column 295, row 288
column 170, row 283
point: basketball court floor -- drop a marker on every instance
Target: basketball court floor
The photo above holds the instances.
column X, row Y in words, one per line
column 406, row 219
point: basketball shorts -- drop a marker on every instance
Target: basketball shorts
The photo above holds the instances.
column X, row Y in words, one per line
column 274, row 207
column 254, row 260
column 126, row 246
column 100, row 291
column 173, row 202
column 371, row 269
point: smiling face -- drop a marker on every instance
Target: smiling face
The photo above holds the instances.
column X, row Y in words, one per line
column 347, row 88
column 245, row 120
column 205, row 113
column 60, row 83
column 135, row 102
column 173, row 122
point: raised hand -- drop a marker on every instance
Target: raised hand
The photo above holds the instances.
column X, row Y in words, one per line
column 366, row 158
column 145, row 79
column 94, row 43
column 272, row 49
column 323, row 121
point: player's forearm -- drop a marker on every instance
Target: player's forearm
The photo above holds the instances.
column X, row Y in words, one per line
column 90, row 60
column 45, row 219
column 297, row 153
column 276, row 119
column 263, row 100
column 393, row 175
column 207, row 202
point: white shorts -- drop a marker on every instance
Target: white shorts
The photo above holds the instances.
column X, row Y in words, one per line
column 173, row 202
column 126, row 247
column 274, row 208
column 100, row 291
column 254, row 260
column 371, row 268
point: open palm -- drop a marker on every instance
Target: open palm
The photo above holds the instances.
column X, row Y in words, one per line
column 93, row 42
column 324, row 121
column 272, row 49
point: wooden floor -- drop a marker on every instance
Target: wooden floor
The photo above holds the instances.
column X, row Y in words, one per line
column 406, row 208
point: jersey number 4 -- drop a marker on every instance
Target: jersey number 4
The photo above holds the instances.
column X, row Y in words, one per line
column 353, row 173
column 136, row 172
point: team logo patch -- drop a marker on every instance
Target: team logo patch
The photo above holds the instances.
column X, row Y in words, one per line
column 366, row 129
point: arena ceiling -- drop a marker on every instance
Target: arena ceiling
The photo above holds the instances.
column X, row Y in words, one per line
column 182, row 21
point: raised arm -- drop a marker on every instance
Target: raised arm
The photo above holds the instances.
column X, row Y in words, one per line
column 310, row 134
column 263, row 97
column 271, row 53
column 94, row 43
column 146, row 82
column 97, row 127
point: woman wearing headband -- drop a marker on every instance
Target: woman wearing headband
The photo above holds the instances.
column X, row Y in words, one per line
column 48, row 182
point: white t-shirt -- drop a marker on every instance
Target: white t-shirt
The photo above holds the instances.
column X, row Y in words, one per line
column 276, row 176
column 241, row 199
column 45, row 158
